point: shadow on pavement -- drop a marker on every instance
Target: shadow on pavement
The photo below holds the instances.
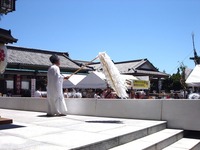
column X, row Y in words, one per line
column 10, row 126
column 105, row 121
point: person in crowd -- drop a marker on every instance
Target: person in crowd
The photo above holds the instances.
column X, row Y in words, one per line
column 176, row 96
column 109, row 93
column 132, row 94
column 97, row 95
column 70, row 93
column 66, row 93
column 78, row 94
column 38, row 92
column 55, row 97
column 137, row 95
column 9, row 93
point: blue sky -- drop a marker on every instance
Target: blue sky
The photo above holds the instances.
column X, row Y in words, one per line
column 159, row 30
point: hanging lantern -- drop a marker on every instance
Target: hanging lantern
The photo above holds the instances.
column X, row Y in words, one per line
column 3, row 58
column 7, row 6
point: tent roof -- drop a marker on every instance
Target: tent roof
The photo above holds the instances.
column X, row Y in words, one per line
column 93, row 80
column 73, row 80
column 194, row 77
column 98, row 80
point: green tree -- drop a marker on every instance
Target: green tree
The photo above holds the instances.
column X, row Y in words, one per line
column 182, row 80
column 176, row 81
column 173, row 82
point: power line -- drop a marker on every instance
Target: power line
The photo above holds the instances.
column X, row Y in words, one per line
column 187, row 56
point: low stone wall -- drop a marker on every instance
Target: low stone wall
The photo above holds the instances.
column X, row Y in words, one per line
column 182, row 114
column 24, row 103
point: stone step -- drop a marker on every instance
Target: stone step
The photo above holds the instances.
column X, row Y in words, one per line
column 156, row 141
column 5, row 121
column 121, row 136
column 185, row 144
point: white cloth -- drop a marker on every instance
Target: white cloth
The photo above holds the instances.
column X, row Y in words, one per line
column 56, row 102
column 112, row 75
column 97, row 96
column 37, row 94
column 194, row 96
column 78, row 95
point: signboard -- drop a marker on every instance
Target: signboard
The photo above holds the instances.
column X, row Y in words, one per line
column 141, row 84
column 33, row 82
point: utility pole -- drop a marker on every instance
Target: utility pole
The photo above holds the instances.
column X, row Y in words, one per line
column 196, row 58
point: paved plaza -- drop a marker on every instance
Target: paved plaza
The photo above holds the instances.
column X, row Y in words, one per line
column 33, row 130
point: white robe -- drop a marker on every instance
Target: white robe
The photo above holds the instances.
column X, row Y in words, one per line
column 55, row 97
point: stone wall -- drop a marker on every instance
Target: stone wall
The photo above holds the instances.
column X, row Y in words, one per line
column 182, row 114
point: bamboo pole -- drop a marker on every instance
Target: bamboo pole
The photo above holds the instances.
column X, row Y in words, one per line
column 82, row 67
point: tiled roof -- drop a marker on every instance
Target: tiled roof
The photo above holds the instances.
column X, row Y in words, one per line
column 26, row 56
column 136, row 67
column 6, row 37
column 126, row 66
column 153, row 73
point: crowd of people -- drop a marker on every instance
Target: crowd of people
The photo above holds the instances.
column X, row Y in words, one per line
column 90, row 93
column 107, row 93
column 110, row 94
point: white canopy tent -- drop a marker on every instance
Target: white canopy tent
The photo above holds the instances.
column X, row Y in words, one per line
column 97, row 80
column 94, row 80
column 194, row 78
column 73, row 80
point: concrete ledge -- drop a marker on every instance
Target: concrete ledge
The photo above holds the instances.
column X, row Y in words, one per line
column 182, row 114
column 81, row 106
column 24, row 103
column 137, row 109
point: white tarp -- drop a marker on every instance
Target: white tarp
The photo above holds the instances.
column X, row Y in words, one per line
column 97, row 80
column 194, row 77
column 73, row 80
column 94, row 80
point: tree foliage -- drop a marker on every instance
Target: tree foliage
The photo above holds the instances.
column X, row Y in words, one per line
column 176, row 81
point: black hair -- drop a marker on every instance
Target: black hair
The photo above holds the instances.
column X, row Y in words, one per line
column 54, row 59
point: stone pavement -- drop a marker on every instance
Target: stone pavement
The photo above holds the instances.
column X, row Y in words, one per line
column 35, row 131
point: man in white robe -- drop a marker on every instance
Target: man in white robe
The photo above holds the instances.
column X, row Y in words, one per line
column 55, row 97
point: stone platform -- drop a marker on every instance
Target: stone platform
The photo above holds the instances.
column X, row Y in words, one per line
column 34, row 131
